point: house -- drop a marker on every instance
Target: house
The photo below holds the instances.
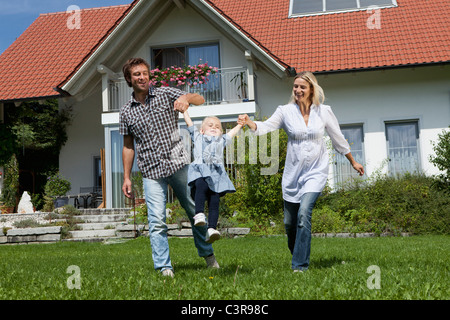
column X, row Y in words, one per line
column 383, row 64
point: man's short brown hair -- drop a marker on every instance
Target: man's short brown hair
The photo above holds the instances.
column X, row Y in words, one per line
column 130, row 64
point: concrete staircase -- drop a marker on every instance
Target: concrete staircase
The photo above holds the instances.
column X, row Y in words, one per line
column 104, row 225
column 99, row 225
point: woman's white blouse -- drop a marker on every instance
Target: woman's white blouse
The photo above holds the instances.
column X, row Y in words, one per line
column 307, row 164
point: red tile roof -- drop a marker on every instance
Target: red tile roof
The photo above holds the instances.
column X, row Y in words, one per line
column 48, row 52
column 415, row 32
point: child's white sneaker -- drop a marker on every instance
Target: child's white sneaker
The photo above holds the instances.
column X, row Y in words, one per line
column 199, row 219
column 212, row 235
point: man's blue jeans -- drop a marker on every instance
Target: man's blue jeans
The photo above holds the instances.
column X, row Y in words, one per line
column 156, row 198
column 297, row 222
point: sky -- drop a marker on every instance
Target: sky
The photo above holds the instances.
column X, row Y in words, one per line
column 17, row 15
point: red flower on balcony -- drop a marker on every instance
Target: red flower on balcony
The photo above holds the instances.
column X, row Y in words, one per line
column 176, row 76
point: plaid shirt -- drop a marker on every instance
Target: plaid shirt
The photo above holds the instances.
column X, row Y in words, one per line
column 159, row 148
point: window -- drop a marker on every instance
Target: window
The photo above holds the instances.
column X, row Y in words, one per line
column 343, row 171
column 403, row 147
column 181, row 56
column 186, row 55
column 313, row 7
column 167, row 57
column 115, row 171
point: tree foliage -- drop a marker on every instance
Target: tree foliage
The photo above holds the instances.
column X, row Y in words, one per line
column 442, row 158
column 38, row 126
column 34, row 134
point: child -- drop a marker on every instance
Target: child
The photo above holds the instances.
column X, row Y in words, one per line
column 207, row 176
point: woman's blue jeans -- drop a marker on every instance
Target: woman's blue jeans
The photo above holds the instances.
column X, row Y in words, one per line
column 297, row 222
column 156, row 199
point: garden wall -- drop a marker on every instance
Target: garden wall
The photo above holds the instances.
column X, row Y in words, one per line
column 32, row 235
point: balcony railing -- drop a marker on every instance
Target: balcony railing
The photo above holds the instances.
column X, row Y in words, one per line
column 229, row 85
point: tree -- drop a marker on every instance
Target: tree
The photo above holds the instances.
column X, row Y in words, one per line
column 34, row 132
column 441, row 159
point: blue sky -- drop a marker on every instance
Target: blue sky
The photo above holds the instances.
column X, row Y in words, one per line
column 17, row 15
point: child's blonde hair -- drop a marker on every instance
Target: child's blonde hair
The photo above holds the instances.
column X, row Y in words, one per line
column 212, row 117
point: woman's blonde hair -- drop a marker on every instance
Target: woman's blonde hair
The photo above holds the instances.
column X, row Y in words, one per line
column 318, row 96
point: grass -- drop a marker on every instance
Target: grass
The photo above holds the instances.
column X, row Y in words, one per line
column 253, row 268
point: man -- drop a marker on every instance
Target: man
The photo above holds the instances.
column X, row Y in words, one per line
column 150, row 121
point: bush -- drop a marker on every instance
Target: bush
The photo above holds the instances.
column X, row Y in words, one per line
column 411, row 203
column 27, row 223
column 258, row 197
column 69, row 210
column 442, row 159
column 10, row 189
column 56, row 186
column 325, row 220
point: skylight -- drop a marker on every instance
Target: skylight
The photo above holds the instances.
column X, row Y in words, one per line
column 315, row 7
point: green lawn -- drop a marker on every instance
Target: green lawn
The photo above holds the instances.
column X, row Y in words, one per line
column 252, row 268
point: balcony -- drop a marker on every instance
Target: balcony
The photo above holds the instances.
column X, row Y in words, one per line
column 230, row 86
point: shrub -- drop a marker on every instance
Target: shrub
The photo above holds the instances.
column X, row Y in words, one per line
column 27, row 223
column 410, row 203
column 258, row 197
column 442, row 159
column 325, row 220
column 56, row 186
column 10, row 189
column 69, row 210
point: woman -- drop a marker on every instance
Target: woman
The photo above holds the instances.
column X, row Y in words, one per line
column 305, row 120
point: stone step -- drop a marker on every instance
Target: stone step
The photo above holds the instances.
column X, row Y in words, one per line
column 78, row 234
column 103, row 218
column 94, row 239
column 104, row 211
column 99, row 225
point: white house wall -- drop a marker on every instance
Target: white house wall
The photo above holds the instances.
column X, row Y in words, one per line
column 373, row 97
column 85, row 139
column 185, row 26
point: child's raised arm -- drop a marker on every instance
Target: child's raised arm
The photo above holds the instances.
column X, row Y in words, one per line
column 187, row 119
column 234, row 131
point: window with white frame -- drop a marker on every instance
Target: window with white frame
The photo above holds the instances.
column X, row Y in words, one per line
column 114, row 168
column 403, row 147
column 180, row 56
column 315, row 7
column 343, row 171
